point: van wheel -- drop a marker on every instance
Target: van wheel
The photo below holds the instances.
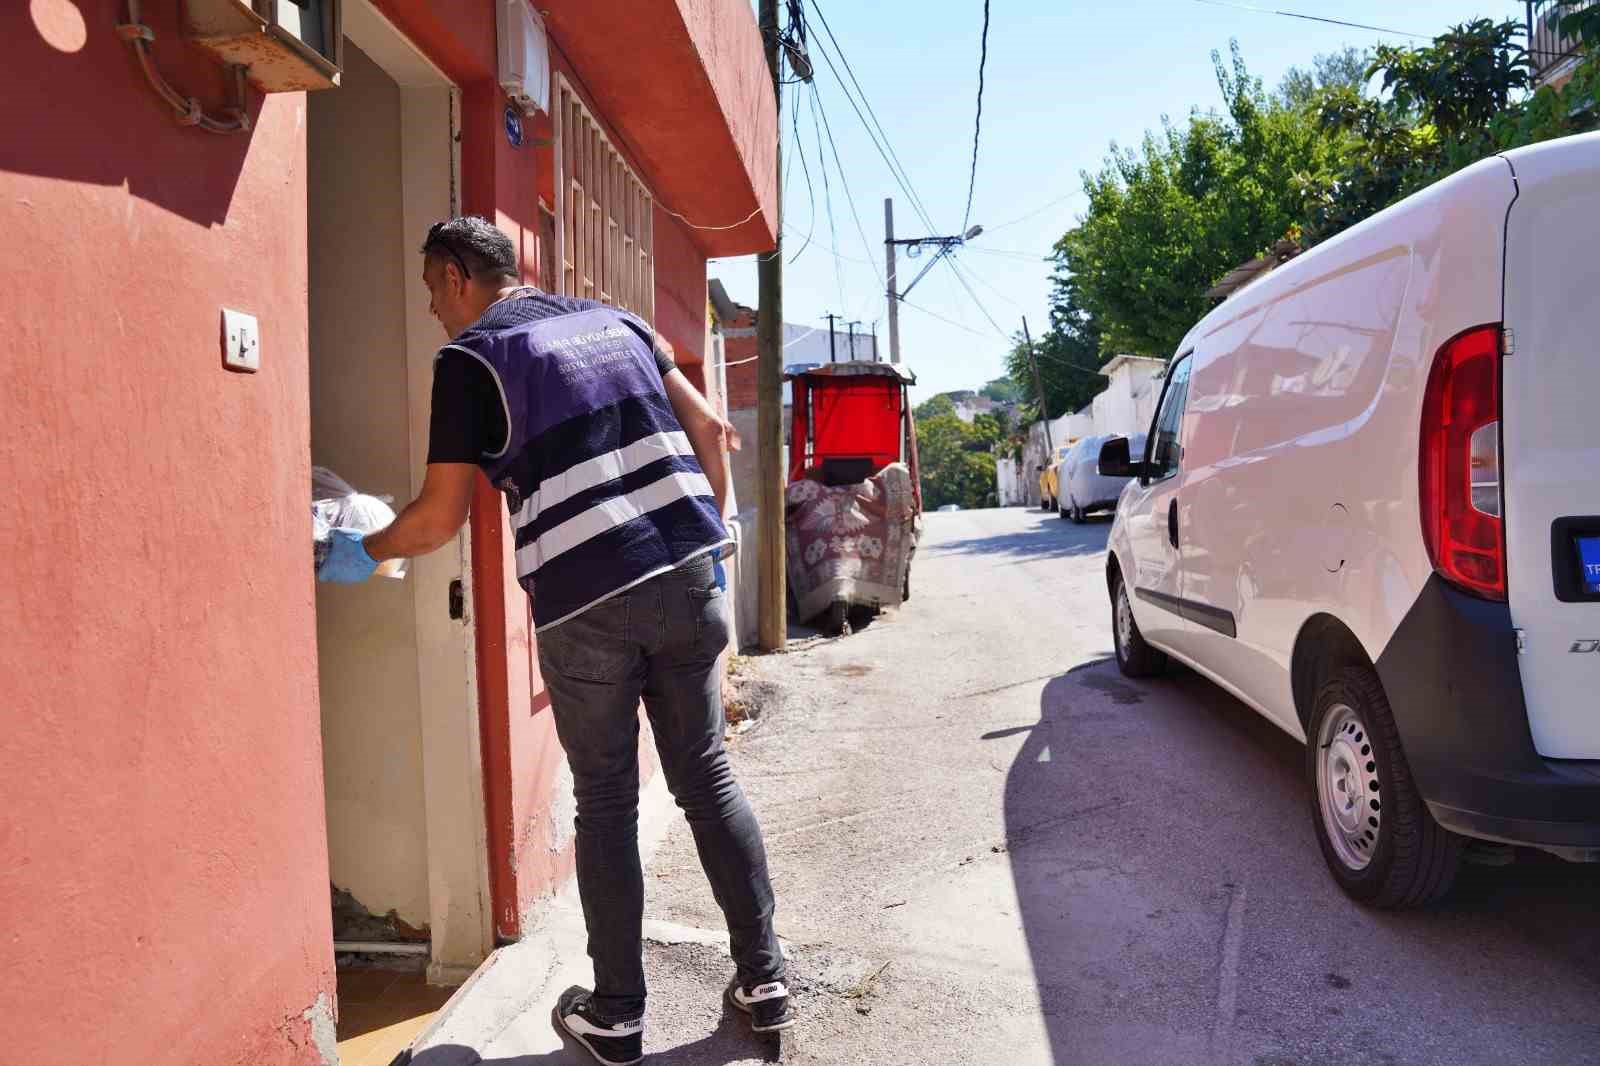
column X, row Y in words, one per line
column 1077, row 513
column 1381, row 844
column 1135, row 658
column 1064, row 509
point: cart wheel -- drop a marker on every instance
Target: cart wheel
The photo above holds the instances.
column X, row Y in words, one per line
column 838, row 621
column 905, row 590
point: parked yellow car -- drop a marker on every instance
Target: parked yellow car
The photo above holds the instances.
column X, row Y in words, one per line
column 1050, row 479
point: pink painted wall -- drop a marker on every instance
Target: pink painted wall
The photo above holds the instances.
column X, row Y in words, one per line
column 166, row 886
column 680, row 292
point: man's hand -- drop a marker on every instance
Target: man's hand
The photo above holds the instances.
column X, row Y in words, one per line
column 347, row 561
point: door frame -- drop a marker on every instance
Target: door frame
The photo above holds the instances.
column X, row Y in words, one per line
column 459, row 898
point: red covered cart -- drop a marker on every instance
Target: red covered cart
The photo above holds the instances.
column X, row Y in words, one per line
column 853, row 507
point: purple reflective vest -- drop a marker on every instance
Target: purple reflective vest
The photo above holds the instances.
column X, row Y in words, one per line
column 602, row 484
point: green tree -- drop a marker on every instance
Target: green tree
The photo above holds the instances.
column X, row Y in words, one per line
column 935, row 407
column 1347, row 68
column 1069, row 356
column 1442, row 107
column 1003, row 390
column 1197, row 199
column 957, row 458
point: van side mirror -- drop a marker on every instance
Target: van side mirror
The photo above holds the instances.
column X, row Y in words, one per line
column 1115, row 460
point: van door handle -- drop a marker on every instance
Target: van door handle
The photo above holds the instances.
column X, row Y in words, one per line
column 1172, row 522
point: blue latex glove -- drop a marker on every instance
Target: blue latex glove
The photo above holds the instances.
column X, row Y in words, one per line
column 347, row 562
column 719, row 575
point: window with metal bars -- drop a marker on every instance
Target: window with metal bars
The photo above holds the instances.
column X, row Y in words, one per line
column 604, row 236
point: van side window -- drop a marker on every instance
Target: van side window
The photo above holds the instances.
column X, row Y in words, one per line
column 1165, row 453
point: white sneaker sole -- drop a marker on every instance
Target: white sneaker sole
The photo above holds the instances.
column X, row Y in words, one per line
column 787, row 1023
column 561, row 1026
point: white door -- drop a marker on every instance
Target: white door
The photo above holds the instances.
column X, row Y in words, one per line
column 1551, row 441
column 1151, row 519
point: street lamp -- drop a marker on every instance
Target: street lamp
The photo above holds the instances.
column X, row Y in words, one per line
column 914, row 245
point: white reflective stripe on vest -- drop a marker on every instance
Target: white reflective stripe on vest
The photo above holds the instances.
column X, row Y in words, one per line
column 608, row 515
column 599, row 470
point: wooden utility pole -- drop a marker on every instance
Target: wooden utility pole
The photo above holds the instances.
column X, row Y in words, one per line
column 890, row 289
column 833, row 355
column 1038, row 384
column 773, row 608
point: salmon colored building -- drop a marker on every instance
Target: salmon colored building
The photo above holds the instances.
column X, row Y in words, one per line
column 197, row 740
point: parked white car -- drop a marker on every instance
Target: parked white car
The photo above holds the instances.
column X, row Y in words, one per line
column 1084, row 489
column 1370, row 508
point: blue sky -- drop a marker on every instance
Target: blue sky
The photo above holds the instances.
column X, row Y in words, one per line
column 1065, row 78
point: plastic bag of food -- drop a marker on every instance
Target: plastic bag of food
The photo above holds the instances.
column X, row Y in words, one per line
column 335, row 503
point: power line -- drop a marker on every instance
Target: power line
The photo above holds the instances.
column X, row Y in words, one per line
column 947, row 321
column 885, row 149
column 1312, row 18
column 977, row 123
column 1041, row 209
column 992, row 287
column 827, row 198
column 849, row 197
column 811, row 193
column 965, row 284
column 831, row 251
column 1051, row 357
column 1029, row 257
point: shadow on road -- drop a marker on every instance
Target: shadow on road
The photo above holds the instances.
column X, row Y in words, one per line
column 1048, row 537
column 1150, row 826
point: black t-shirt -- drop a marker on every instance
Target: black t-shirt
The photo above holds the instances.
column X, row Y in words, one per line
column 469, row 420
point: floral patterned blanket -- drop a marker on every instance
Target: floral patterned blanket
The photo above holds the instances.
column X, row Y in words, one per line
column 850, row 542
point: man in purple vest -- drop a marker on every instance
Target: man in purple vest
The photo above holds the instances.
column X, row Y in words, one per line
column 614, row 472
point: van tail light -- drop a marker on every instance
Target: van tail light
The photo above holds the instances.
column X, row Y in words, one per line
column 1460, row 464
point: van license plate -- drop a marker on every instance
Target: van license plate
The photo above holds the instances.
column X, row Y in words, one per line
column 1589, row 563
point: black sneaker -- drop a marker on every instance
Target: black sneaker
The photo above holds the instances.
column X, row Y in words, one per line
column 767, row 1004
column 615, row 1043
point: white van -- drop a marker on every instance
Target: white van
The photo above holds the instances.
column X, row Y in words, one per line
column 1370, row 508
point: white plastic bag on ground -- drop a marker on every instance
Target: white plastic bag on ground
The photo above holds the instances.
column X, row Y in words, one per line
column 335, row 503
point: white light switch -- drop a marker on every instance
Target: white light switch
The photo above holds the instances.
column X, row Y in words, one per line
column 241, row 341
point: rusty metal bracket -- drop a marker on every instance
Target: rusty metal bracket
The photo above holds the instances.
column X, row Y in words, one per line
column 187, row 109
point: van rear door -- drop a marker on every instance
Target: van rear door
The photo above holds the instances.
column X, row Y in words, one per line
column 1551, row 439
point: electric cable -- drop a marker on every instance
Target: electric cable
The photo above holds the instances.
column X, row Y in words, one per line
column 977, row 123
column 827, row 200
column 874, row 128
column 811, row 194
column 861, row 230
column 1312, row 18
column 1041, row 209
column 976, row 301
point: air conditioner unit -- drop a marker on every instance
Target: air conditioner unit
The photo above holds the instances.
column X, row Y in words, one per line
column 524, row 55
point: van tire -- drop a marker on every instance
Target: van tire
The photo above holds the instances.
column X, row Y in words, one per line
column 1413, row 860
column 1135, row 658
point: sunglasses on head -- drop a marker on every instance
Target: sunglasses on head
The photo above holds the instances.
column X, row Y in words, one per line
column 436, row 240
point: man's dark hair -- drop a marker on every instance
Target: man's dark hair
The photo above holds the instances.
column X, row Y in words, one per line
column 475, row 245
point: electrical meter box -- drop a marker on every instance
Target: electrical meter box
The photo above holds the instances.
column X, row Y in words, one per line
column 524, row 55
column 285, row 45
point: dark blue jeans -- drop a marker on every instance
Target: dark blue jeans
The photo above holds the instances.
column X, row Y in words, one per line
column 658, row 642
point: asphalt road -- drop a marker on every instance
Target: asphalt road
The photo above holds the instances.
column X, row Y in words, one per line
column 989, row 847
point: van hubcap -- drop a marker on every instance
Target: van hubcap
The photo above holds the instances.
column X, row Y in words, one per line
column 1347, row 786
column 1124, row 621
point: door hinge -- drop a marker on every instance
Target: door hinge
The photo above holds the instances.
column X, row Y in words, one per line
column 458, row 600
column 1508, row 340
